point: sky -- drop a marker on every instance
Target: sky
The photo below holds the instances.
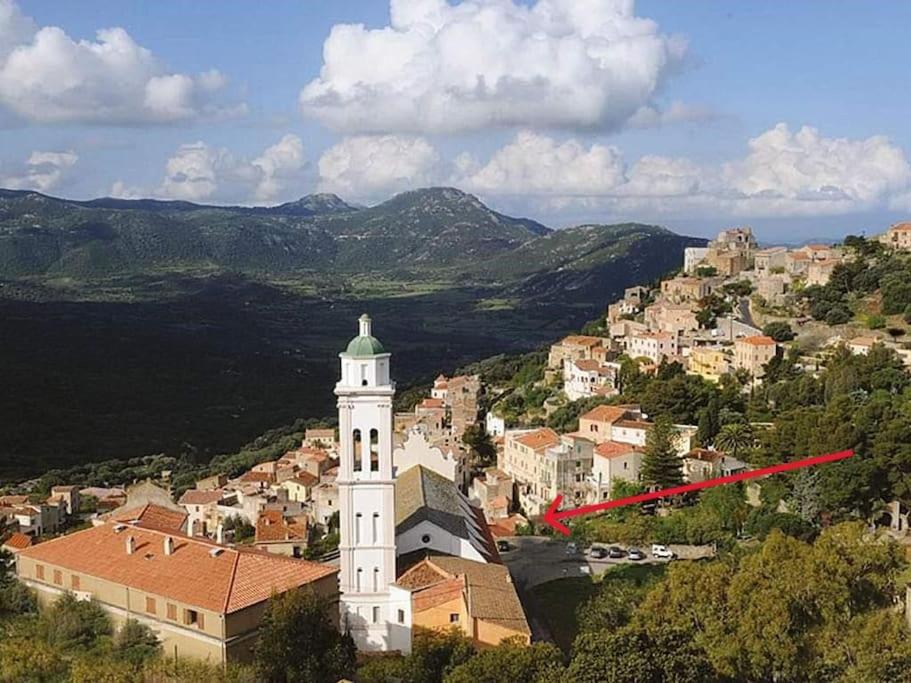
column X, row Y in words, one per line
column 790, row 117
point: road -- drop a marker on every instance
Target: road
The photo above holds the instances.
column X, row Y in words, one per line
column 539, row 559
column 745, row 315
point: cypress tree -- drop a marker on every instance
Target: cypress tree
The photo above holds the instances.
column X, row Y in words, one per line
column 661, row 466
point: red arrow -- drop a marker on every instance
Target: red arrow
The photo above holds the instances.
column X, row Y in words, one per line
column 553, row 514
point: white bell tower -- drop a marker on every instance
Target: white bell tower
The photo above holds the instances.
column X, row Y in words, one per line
column 375, row 612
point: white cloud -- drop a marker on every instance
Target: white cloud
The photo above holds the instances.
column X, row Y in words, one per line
column 440, row 67
column 43, row 171
column 539, row 165
column 48, row 77
column 783, row 174
column 367, row 168
column 804, row 172
column 200, row 172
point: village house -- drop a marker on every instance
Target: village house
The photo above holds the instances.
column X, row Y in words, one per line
column 770, row 261
column 680, row 290
column 325, row 502
column 708, row 362
column 752, row 354
column 280, row 534
column 860, row 346
column 17, row 541
column 627, row 424
column 652, row 345
column 492, row 493
column 300, row 487
column 584, row 378
column 671, row 318
column 796, row 263
column 69, row 495
column 476, row 598
column 820, row 272
column 693, row 257
column 523, row 459
column 773, row 288
column 203, row 600
column 573, row 347
column 613, row 461
column 322, row 438
column 494, row 424
column 701, row 464
column 898, row 237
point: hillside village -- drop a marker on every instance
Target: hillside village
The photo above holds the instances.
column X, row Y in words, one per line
column 468, row 470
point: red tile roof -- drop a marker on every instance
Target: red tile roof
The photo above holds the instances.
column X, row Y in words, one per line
column 758, row 340
column 194, row 497
column 153, row 516
column 17, row 541
column 540, row 438
column 605, row 414
column 197, row 572
column 272, row 526
column 613, row 449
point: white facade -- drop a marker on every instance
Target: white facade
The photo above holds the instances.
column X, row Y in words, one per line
column 692, row 257
column 373, row 610
column 496, row 426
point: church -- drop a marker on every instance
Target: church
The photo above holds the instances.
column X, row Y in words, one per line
column 413, row 552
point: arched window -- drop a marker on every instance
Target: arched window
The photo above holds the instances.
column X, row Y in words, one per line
column 360, row 573
column 376, row 579
column 357, row 527
column 376, row 524
column 374, row 450
column 356, row 447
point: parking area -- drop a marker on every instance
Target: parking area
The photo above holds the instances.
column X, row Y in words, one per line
column 533, row 560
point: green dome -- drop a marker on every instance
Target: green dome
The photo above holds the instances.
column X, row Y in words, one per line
column 364, row 346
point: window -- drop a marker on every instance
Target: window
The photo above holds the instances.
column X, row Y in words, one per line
column 172, row 612
column 201, row 620
column 39, row 571
column 401, row 616
column 58, row 577
column 376, row 579
column 425, row 538
column 374, row 450
column 190, row 617
column 357, row 527
column 356, row 439
column 360, row 573
column 150, row 605
column 376, row 615
column 74, row 582
column 376, row 524
column 454, row 618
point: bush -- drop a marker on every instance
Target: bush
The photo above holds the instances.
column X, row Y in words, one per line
column 838, row 315
column 70, row 624
column 780, row 331
column 135, row 643
column 876, row 322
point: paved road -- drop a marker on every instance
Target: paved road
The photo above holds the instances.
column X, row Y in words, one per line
column 745, row 314
column 539, row 559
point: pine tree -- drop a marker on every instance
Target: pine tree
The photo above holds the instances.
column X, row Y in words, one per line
column 661, row 466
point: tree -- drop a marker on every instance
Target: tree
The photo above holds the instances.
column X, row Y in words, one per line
column 297, row 641
column 135, row 643
column 661, row 466
column 74, row 625
column 735, row 437
column 837, row 315
column 709, row 423
column 510, row 662
column 478, row 440
column 779, row 330
column 433, row 656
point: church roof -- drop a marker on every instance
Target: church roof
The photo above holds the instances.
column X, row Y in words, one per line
column 365, row 344
column 424, row 495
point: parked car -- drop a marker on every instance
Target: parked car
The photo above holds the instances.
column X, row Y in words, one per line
column 615, row 553
column 635, row 554
column 503, row 546
column 571, row 548
column 662, row 552
column 597, row 552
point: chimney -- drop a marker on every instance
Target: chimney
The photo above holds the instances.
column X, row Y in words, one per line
column 131, row 545
column 168, row 545
column 220, row 534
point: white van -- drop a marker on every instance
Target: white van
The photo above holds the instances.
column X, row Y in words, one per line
column 662, row 552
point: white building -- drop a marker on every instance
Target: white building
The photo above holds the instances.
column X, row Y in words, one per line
column 584, row 378
column 692, row 257
column 652, row 345
column 374, row 610
column 495, row 425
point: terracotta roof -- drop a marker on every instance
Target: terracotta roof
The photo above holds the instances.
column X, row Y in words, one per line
column 540, row 438
column 491, row 594
column 605, row 414
column 195, row 497
column 506, row 527
column 758, row 340
column 319, row 434
column 581, row 340
column 634, row 424
column 613, row 449
column 224, row 581
column 500, row 502
column 273, row 526
column 64, row 489
column 901, row 227
column 798, row 256
column 305, row 479
column 705, row 455
column 13, row 500
column 261, row 477
column 444, row 591
column 588, row 364
column 153, row 516
column 432, row 403
column 863, row 341
column 18, row 541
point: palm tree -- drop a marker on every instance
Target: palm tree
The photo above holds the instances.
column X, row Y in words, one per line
column 733, row 437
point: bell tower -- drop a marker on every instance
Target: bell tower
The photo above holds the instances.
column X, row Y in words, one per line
column 373, row 610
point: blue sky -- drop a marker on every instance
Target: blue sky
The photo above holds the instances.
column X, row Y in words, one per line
column 542, row 120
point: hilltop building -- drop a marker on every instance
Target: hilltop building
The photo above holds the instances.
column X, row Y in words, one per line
column 898, row 236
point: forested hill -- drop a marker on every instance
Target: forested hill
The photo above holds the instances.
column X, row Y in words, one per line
column 425, row 229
